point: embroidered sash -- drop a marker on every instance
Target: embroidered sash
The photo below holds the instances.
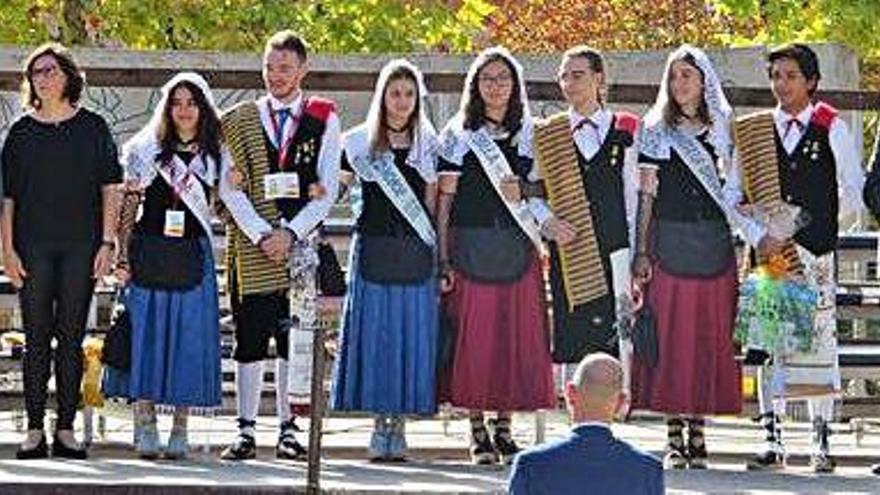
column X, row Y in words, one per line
column 397, row 190
column 495, row 165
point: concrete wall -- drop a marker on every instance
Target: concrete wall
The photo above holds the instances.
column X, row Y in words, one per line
column 127, row 108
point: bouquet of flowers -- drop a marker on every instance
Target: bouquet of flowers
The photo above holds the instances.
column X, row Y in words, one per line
column 776, row 311
column 775, row 314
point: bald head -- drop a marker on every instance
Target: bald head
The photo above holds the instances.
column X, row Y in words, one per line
column 596, row 387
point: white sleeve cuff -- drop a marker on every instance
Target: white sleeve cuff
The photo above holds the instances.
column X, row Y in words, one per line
column 541, row 210
column 620, row 277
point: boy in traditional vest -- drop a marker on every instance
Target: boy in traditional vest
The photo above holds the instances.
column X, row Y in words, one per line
column 285, row 146
column 816, row 167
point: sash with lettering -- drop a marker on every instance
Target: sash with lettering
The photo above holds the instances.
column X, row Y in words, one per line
column 495, row 165
column 385, row 173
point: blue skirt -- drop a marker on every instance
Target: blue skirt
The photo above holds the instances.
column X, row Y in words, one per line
column 175, row 342
column 388, row 347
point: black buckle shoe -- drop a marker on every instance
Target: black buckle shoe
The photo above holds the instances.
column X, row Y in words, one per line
column 769, row 459
column 288, row 446
column 504, row 444
column 822, row 463
column 876, row 469
column 697, row 457
column 675, row 457
column 244, row 447
column 64, row 452
column 41, row 451
column 675, row 454
column 482, row 450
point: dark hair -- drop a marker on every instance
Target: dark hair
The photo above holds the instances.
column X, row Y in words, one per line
column 672, row 112
column 380, row 135
column 803, row 55
column 290, row 41
column 475, row 107
column 595, row 60
column 76, row 80
column 208, row 135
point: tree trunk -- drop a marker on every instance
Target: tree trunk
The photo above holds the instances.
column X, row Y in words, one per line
column 73, row 21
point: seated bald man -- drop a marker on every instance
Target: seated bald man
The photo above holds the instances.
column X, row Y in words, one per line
column 590, row 460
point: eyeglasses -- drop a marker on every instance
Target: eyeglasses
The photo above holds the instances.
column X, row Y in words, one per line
column 500, row 81
column 47, row 72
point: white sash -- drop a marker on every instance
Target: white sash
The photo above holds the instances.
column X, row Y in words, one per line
column 191, row 193
column 701, row 164
column 495, row 165
column 394, row 185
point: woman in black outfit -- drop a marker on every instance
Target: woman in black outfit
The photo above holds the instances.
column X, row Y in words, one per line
column 60, row 172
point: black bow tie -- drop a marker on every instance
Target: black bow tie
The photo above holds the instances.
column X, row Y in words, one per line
column 793, row 122
column 586, row 122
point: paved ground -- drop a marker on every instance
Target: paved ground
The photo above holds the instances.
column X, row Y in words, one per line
column 438, row 463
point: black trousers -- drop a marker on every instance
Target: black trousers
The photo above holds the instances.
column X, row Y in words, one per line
column 54, row 304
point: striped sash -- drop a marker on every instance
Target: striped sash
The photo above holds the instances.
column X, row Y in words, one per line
column 582, row 270
column 755, row 142
column 256, row 273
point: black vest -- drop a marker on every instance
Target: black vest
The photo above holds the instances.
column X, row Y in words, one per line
column 808, row 178
column 159, row 198
column 603, row 182
column 302, row 158
column 681, row 196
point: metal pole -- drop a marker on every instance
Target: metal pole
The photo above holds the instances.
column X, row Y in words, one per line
column 316, row 419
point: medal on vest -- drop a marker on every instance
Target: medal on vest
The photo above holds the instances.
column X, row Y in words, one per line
column 281, row 185
column 174, row 223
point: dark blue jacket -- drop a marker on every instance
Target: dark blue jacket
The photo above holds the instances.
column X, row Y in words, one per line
column 589, row 461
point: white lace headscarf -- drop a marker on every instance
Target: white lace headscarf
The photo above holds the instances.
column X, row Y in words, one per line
column 653, row 142
column 454, row 149
column 139, row 151
column 424, row 140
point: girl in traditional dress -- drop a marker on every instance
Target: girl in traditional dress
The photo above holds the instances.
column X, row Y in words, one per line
column 388, row 344
column 171, row 167
column 489, row 256
column 687, row 269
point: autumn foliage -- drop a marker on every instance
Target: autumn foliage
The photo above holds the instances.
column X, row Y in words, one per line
column 551, row 25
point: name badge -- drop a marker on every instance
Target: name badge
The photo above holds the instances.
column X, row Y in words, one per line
column 174, row 223
column 281, row 185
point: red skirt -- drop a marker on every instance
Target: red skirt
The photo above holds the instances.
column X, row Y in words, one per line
column 502, row 349
column 696, row 372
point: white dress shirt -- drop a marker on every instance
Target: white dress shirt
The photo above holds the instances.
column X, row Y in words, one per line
column 239, row 205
